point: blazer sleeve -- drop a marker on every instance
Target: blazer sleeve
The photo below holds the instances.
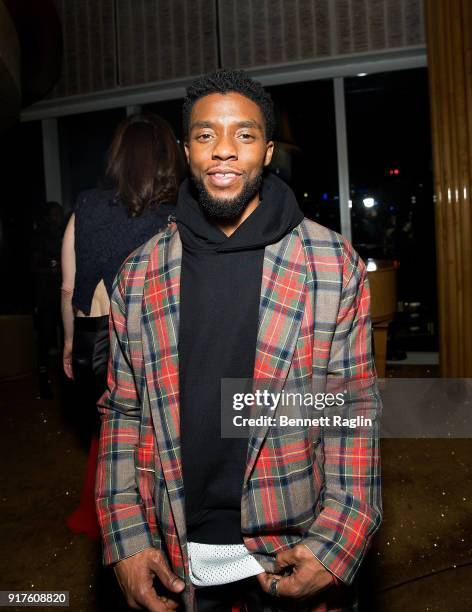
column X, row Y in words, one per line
column 120, row 510
column 351, row 505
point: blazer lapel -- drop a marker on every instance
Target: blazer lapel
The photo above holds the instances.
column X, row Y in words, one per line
column 160, row 344
column 283, row 292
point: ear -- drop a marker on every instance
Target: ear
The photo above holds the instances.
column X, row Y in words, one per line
column 269, row 152
column 187, row 151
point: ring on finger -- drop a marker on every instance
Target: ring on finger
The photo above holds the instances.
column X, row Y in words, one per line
column 273, row 587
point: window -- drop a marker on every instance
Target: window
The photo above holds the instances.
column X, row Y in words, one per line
column 391, row 187
column 305, row 154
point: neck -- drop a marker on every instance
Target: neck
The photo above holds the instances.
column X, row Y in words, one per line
column 229, row 227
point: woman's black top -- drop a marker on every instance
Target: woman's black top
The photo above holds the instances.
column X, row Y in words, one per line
column 104, row 237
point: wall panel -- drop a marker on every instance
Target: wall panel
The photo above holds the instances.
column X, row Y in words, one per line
column 160, row 40
column 113, row 43
column 278, row 31
column 89, row 62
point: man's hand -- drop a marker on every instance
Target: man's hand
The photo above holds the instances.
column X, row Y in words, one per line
column 308, row 576
column 135, row 576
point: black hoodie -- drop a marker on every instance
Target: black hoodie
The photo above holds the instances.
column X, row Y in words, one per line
column 219, row 310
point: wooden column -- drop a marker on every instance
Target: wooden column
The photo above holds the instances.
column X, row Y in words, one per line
column 449, row 36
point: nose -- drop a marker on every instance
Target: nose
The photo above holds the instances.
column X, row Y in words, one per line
column 225, row 148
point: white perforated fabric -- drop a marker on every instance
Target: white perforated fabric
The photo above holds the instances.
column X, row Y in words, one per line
column 213, row 564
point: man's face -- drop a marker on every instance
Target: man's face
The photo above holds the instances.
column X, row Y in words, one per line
column 227, row 151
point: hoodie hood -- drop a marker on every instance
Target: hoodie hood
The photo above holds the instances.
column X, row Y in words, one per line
column 275, row 216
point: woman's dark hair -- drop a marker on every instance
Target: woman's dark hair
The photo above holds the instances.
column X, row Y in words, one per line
column 145, row 162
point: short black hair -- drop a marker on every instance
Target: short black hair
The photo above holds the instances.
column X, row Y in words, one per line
column 225, row 81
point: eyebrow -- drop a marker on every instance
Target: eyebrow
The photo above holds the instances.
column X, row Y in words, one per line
column 249, row 123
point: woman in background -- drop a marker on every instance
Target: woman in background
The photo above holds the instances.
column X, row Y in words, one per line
column 144, row 170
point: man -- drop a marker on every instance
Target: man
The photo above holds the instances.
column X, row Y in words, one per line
column 241, row 286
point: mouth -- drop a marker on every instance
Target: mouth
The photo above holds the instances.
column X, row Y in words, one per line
column 223, row 177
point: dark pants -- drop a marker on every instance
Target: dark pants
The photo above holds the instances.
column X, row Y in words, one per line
column 247, row 593
column 250, row 596
column 90, row 350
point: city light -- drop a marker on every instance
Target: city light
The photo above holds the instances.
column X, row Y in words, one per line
column 368, row 202
column 361, row 74
column 371, row 265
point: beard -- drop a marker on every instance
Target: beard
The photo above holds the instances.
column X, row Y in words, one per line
column 224, row 209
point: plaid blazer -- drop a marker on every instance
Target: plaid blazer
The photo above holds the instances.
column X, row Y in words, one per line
column 314, row 320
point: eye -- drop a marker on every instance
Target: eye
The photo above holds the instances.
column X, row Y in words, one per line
column 204, row 137
column 246, row 136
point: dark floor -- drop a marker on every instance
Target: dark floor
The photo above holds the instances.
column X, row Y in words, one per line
column 421, row 559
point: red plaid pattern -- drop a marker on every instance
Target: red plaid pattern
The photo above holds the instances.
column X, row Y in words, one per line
column 314, row 322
